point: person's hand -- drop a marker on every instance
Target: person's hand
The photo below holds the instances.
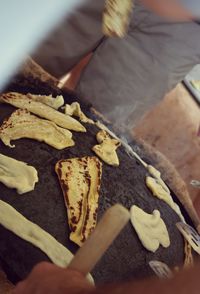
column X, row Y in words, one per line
column 48, row 278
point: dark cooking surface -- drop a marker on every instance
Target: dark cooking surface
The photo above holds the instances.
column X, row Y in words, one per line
column 126, row 258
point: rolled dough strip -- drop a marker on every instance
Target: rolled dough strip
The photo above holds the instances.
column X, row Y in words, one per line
column 12, row 220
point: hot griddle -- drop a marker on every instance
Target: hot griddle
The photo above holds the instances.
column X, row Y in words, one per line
column 126, row 258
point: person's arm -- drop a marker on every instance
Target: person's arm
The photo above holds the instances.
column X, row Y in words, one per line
column 48, row 278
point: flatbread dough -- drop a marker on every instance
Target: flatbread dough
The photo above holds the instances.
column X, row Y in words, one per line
column 116, row 17
column 106, row 149
column 17, row 174
column 75, row 109
column 42, row 110
column 55, row 103
column 22, row 124
column 80, row 182
column 12, row 220
column 158, row 191
column 157, row 175
column 150, row 228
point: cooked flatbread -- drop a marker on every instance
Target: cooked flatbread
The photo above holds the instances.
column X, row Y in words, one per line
column 106, row 149
column 55, row 103
column 17, row 174
column 75, row 110
column 22, row 124
column 80, row 182
column 42, row 110
column 116, row 17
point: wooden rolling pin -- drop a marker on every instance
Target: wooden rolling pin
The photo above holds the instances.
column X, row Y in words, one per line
column 111, row 224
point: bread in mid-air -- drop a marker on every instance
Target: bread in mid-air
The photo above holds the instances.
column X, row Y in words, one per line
column 116, row 17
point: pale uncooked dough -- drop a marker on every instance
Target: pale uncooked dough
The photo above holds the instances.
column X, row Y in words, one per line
column 42, row 110
column 150, row 228
column 106, row 149
column 158, row 191
column 12, row 220
column 17, row 174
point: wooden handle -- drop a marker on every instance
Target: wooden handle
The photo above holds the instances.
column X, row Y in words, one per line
column 112, row 222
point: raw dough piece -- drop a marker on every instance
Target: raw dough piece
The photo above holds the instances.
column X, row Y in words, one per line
column 80, row 181
column 116, row 17
column 106, row 149
column 42, row 110
column 126, row 146
column 158, row 191
column 12, row 220
column 150, row 228
column 75, row 109
column 17, row 174
column 55, row 103
column 22, row 124
column 157, row 175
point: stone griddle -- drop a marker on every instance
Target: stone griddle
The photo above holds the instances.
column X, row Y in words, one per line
column 126, row 258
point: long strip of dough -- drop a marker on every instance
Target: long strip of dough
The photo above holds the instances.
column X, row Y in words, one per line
column 12, row 220
column 42, row 110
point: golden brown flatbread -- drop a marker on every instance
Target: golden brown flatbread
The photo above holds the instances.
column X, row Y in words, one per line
column 80, row 180
column 25, row 102
column 22, row 124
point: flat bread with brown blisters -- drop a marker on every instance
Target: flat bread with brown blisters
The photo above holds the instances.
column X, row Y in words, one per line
column 80, row 180
column 25, row 102
column 22, row 124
